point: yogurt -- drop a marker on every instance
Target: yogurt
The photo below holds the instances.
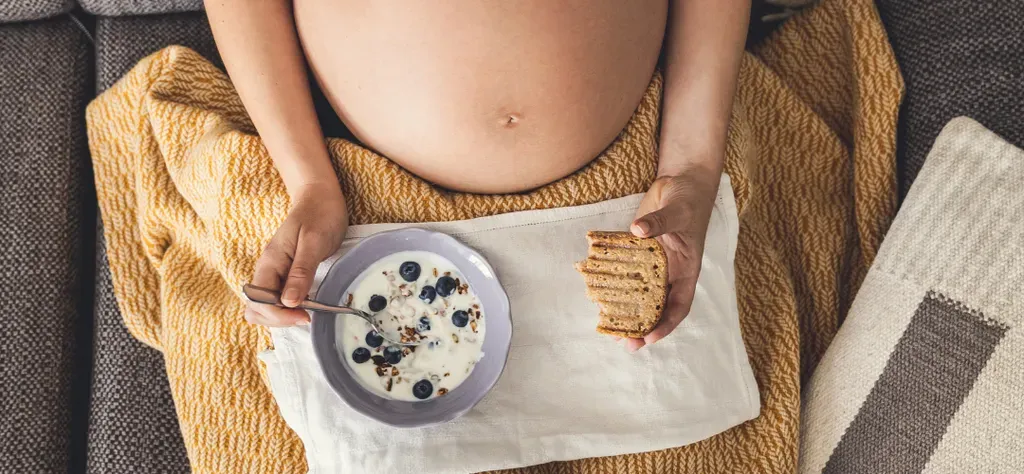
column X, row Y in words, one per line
column 415, row 296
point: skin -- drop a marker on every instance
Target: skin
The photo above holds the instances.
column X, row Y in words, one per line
column 704, row 46
column 516, row 103
column 503, row 92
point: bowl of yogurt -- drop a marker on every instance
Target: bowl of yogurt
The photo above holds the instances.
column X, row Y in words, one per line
column 424, row 287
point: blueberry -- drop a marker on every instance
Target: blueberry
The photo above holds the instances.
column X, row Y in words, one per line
column 360, row 355
column 377, row 303
column 423, row 389
column 410, row 271
column 445, row 285
column 428, row 293
column 373, row 339
column 460, row 318
column 393, row 355
column 424, row 325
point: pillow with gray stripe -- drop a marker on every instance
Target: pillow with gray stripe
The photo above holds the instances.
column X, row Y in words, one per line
column 926, row 374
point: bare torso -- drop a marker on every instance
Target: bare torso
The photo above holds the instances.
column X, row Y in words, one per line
column 484, row 96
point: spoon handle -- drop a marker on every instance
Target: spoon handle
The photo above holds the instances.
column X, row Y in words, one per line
column 266, row 296
column 258, row 294
column 317, row 306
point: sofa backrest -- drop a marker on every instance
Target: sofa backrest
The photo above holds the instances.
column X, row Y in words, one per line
column 27, row 10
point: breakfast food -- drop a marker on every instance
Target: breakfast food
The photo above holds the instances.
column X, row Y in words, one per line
column 414, row 297
column 627, row 277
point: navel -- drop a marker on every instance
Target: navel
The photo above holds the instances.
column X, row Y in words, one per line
column 511, row 120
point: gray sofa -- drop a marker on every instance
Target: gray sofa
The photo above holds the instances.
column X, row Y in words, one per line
column 78, row 393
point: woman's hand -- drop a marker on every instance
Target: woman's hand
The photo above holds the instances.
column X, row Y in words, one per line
column 676, row 211
column 311, row 233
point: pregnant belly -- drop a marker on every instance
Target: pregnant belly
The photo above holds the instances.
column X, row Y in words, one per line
column 486, row 97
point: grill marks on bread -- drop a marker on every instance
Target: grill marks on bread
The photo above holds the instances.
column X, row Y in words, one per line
column 627, row 277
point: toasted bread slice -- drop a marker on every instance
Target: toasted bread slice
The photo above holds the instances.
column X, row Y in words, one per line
column 627, row 276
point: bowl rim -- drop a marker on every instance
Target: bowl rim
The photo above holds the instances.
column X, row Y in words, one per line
column 323, row 353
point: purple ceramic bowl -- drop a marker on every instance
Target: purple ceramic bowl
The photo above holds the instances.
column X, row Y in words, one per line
column 496, row 344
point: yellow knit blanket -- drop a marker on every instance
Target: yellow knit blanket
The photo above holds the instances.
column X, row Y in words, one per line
column 189, row 197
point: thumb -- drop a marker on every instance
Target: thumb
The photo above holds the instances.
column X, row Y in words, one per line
column 300, row 275
column 655, row 223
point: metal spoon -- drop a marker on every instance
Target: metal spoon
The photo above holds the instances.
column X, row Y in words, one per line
column 261, row 295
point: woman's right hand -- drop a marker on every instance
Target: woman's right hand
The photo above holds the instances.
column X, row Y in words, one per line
column 311, row 233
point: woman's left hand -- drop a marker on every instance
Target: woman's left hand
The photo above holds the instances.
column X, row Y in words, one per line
column 676, row 211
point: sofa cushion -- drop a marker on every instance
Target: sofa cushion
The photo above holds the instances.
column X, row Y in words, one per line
column 139, row 7
column 26, row 10
column 925, row 374
column 132, row 424
column 45, row 221
column 958, row 57
column 122, row 42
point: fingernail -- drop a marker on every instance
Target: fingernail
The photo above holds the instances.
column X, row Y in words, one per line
column 643, row 227
column 302, row 322
column 291, row 294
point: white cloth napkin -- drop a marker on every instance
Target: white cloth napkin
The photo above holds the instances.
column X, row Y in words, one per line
column 567, row 392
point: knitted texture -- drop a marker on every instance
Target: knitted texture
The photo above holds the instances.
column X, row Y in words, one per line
column 190, row 197
column 133, row 425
